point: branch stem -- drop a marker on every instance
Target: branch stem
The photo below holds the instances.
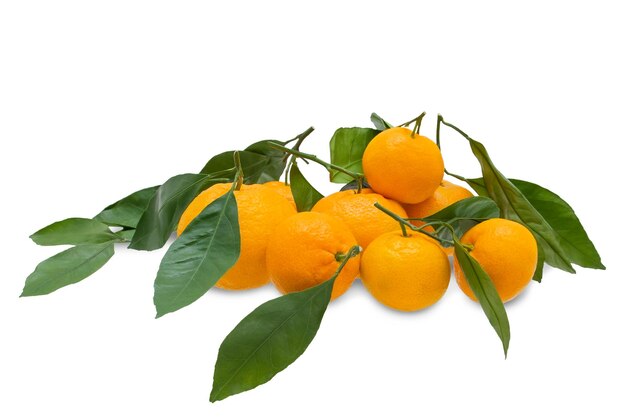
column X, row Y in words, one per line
column 404, row 223
column 310, row 157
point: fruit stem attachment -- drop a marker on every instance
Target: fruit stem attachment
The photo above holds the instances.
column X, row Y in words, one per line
column 418, row 124
column 345, row 257
column 327, row 165
column 239, row 175
column 403, row 227
column 359, row 184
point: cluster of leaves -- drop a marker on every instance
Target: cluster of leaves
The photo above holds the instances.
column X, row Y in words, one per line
column 276, row 333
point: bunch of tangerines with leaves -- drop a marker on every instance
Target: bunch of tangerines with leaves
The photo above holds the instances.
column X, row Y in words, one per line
column 393, row 225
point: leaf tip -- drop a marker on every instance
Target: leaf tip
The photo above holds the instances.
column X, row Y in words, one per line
column 26, row 292
column 216, row 394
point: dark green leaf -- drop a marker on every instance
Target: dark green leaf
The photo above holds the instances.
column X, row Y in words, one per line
column 207, row 248
column 538, row 275
column 165, row 208
column 561, row 217
column 303, row 192
column 514, row 206
column 260, row 162
column 74, row 231
column 379, row 122
column 268, row 340
column 463, row 215
column 346, row 150
column 478, row 185
column 127, row 211
column 486, row 293
column 67, row 267
column 264, row 147
column 126, row 235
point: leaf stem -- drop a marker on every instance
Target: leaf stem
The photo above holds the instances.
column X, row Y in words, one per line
column 458, row 177
column 450, row 125
column 441, row 121
column 327, row 165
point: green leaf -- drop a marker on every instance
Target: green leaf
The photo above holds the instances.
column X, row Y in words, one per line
column 260, row 162
column 74, row 231
column 559, row 214
column 165, row 208
column 268, row 340
column 264, row 147
column 346, row 150
column 67, row 267
column 514, row 206
column 271, row 338
column 127, row 211
column 541, row 260
column 207, row 248
column 486, row 293
column 478, row 185
column 126, row 234
column 303, row 192
column 379, row 122
column 463, row 215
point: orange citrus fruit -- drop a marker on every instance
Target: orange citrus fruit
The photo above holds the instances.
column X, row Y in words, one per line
column 402, row 167
column 506, row 250
column 259, row 210
column 282, row 189
column 446, row 194
column 358, row 212
column 306, row 250
column 407, row 273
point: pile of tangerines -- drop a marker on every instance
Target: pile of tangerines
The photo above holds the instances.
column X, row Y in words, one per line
column 405, row 270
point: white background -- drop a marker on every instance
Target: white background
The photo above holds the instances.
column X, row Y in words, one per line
column 98, row 99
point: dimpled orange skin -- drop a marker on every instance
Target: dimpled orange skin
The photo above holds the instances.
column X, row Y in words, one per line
column 301, row 253
column 282, row 189
column 446, row 194
column 259, row 211
column 358, row 212
column 405, row 273
column 404, row 168
column 506, row 250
